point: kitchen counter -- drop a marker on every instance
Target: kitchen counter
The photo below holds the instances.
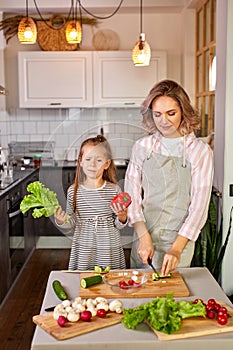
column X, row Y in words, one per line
column 18, row 177
column 201, row 284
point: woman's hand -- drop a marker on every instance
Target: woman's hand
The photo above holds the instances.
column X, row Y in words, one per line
column 121, row 212
column 145, row 248
column 172, row 257
column 60, row 216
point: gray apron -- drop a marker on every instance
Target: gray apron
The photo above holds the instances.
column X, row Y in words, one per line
column 166, row 197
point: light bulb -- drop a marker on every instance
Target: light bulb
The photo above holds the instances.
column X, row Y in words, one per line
column 73, row 34
column 28, row 33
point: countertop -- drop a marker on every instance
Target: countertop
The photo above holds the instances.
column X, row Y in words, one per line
column 201, row 284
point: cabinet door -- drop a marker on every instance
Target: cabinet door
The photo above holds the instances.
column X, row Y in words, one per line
column 118, row 83
column 55, row 79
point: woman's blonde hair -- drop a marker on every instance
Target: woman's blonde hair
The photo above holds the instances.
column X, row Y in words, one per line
column 190, row 120
column 109, row 174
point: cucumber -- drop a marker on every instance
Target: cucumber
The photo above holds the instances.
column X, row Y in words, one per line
column 90, row 281
column 101, row 269
column 157, row 276
column 59, row 290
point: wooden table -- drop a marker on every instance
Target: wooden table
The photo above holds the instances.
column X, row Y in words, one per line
column 201, row 284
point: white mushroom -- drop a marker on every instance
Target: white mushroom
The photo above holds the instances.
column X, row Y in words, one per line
column 66, row 303
column 78, row 300
column 92, row 310
column 90, row 303
column 80, row 308
column 73, row 316
column 115, row 304
column 119, row 310
column 101, row 300
column 102, row 306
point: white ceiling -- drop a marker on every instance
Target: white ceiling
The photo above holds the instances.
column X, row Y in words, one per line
column 98, row 6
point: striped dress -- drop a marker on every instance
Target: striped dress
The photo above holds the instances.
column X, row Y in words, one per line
column 96, row 238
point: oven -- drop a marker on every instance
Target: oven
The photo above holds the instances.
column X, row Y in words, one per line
column 16, row 232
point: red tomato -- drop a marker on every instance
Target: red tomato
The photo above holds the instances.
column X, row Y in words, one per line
column 211, row 302
column 209, row 307
column 101, row 313
column 123, row 284
column 130, row 282
column 223, row 310
column 217, row 307
column 222, row 320
column 197, row 300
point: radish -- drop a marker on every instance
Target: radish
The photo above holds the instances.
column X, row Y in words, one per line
column 62, row 321
column 86, row 315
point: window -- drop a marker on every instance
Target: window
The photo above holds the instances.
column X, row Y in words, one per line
column 206, row 64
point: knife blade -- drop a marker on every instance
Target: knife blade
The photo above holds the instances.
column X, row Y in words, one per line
column 151, row 265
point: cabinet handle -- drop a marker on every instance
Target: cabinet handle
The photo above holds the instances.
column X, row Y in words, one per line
column 55, row 104
column 129, row 103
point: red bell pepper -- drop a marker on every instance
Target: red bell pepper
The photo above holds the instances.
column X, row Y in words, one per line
column 122, row 198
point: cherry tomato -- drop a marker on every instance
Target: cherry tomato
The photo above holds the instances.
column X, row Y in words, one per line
column 217, row 307
column 210, row 314
column 130, row 282
column 223, row 310
column 222, row 320
column 101, row 313
column 211, row 302
column 197, row 300
column 209, row 307
column 123, row 284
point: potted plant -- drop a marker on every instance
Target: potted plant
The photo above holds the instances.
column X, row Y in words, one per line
column 210, row 248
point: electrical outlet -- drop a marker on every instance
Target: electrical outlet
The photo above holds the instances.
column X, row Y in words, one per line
column 231, row 190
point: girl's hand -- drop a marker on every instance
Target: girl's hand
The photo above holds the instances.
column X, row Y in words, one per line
column 121, row 212
column 60, row 216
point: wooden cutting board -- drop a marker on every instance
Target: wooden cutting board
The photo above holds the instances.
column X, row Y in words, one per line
column 198, row 326
column 151, row 289
column 73, row 329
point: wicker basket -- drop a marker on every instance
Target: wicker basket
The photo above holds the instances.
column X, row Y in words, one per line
column 52, row 37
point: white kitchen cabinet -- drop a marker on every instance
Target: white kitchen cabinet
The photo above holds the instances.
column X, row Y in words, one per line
column 55, row 79
column 86, row 78
column 118, row 83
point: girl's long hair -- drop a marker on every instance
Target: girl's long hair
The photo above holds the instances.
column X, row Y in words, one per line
column 190, row 121
column 108, row 174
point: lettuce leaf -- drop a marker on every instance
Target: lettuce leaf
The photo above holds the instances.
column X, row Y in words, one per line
column 43, row 200
column 164, row 314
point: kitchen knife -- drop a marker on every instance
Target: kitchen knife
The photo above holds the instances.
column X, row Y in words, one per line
column 151, row 265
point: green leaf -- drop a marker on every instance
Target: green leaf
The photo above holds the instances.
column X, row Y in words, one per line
column 42, row 200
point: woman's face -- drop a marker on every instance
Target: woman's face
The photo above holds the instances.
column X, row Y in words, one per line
column 167, row 116
column 94, row 161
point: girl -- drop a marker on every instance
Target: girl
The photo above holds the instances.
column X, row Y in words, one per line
column 169, row 178
column 96, row 239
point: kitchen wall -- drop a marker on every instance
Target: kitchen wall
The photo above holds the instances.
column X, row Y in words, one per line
column 164, row 31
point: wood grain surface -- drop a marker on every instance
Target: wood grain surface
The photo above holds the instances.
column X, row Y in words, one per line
column 151, row 289
column 73, row 329
column 198, row 326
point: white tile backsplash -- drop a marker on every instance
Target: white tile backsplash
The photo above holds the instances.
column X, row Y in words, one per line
column 69, row 127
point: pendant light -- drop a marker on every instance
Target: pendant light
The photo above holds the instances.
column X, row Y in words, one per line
column 141, row 51
column 73, row 27
column 27, row 31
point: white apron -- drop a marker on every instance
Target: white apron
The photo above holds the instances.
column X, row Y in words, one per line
column 166, row 187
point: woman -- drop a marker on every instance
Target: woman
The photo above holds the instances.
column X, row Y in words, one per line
column 169, row 178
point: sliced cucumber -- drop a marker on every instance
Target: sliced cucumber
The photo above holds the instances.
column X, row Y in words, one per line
column 157, row 276
column 101, row 269
column 90, row 281
column 59, row 290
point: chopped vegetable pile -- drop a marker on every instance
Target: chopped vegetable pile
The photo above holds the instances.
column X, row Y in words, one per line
column 43, row 200
column 163, row 313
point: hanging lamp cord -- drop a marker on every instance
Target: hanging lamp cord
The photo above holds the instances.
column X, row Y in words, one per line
column 100, row 17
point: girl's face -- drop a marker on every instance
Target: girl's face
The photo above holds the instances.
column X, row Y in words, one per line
column 167, row 116
column 94, row 161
